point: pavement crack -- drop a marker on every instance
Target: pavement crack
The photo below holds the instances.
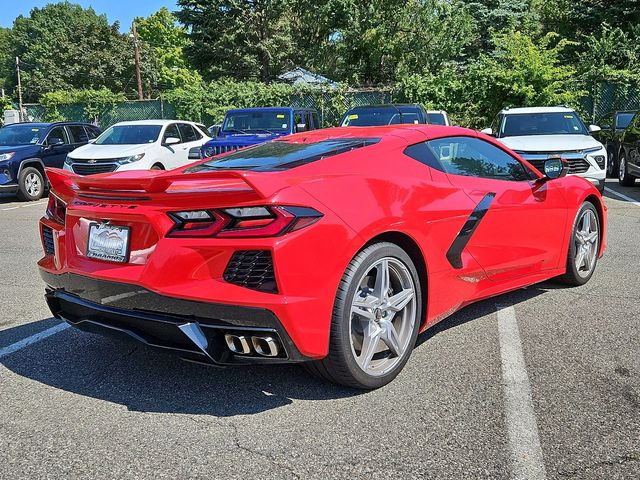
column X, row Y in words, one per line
column 93, row 376
column 270, row 458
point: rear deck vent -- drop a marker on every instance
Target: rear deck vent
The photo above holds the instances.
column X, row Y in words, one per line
column 252, row 269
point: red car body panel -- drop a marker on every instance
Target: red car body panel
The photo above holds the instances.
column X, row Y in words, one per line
column 367, row 193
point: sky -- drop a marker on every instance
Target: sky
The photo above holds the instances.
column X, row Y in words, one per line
column 116, row 10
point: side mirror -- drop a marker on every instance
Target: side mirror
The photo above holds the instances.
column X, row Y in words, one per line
column 487, row 131
column 54, row 142
column 194, row 153
column 214, row 130
column 555, row 168
column 301, row 127
column 594, row 128
column 171, row 141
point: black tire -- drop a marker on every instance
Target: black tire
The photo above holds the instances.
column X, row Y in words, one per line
column 612, row 164
column 31, row 184
column 157, row 166
column 624, row 177
column 340, row 365
column 572, row 276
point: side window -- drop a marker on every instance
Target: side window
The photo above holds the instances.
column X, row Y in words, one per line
column 92, row 132
column 299, row 118
column 56, row 135
column 78, row 134
column 423, row 154
column 171, row 131
column 473, row 157
column 187, row 132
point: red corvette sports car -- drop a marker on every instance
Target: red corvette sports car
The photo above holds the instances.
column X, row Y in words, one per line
column 334, row 247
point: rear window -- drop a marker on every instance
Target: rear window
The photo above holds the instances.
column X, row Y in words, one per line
column 624, row 119
column 436, row 118
column 379, row 116
column 281, row 155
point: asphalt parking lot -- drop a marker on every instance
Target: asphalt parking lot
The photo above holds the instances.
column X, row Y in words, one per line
column 77, row 405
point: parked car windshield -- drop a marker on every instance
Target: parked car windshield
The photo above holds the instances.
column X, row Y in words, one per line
column 376, row 116
column 257, row 121
column 20, row 135
column 129, row 135
column 281, row 155
column 556, row 123
column 624, row 119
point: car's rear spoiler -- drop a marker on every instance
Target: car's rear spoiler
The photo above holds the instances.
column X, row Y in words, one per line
column 65, row 183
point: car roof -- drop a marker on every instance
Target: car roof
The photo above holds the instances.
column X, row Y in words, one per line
column 50, row 124
column 525, row 110
column 387, row 105
column 269, row 109
column 154, row 122
column 412, row 133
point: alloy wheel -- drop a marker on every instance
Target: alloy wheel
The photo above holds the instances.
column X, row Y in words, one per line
column 33, row 185
column 610, row 165
column 383, row 316
column 586, row 242
column 622, row 169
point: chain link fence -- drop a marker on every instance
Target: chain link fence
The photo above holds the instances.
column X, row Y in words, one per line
column 331, row 107
column 607, row 97
column 604, row 98
column 103, row 116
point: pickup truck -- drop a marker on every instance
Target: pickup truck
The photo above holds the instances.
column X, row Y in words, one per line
column 613, row 125
column 249, row 126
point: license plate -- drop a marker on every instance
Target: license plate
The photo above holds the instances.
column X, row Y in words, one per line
column 108, row 242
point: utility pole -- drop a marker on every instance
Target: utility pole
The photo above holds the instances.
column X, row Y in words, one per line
column 19, row 90
column 137, row 56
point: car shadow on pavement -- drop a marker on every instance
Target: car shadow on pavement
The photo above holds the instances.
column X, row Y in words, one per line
column 145, row 380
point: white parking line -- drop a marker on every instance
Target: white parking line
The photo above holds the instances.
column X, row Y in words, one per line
column 622, row 196
column 14, row 347
column 23, row 206
column 522, row 429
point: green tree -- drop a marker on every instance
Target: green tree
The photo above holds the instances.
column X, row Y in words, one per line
column 165, row 40
column 65, row 46
column 519, row 72
column 7, row 60
column 246, row 39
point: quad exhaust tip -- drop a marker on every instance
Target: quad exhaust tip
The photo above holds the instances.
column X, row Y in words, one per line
column 243, row 345
column 237, row 344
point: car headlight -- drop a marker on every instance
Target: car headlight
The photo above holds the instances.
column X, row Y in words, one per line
column 6, row 156
column 209, row 151
column 131, row 159
column 68, row 161
column 600, row 158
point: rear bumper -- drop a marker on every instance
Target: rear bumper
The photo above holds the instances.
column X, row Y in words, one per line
column 127, row 310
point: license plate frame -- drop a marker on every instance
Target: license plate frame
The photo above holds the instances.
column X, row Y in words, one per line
column 113, row 246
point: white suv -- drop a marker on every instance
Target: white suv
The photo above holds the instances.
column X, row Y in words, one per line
column 537, row 133
column 139, row 145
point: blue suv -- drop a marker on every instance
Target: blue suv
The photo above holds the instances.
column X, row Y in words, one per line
column 249, row 126
column 26, row 148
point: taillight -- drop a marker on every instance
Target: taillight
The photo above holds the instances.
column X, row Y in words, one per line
column 242, row 222
column 56, row 209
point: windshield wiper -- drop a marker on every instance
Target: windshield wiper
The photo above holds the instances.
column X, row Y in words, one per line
column 262, row 130
column 234, row 130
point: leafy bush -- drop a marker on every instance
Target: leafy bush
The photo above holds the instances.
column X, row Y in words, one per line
column 94, row 103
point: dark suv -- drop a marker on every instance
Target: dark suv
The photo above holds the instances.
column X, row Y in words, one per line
column 26, row 148
column 613, row 125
